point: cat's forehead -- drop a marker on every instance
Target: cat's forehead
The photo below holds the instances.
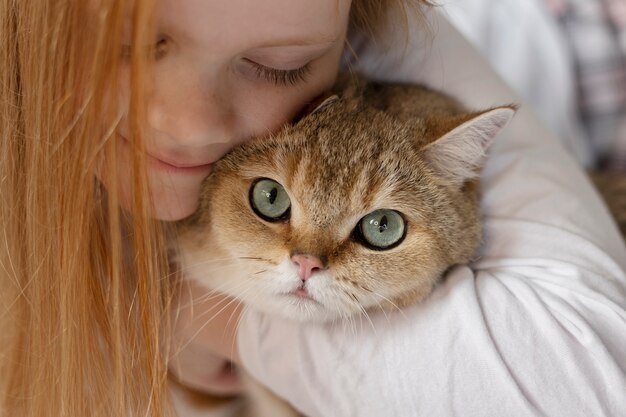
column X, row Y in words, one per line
column 332, row 147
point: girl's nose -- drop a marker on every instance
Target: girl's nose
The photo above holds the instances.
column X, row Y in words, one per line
column 190, row 117
column 307, row 265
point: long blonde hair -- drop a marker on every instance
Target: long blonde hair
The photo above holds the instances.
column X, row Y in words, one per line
column 85, row 287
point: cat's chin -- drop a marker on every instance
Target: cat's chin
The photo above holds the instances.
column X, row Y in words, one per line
column 297, row 308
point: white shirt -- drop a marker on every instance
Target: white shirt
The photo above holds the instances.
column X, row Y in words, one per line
column 535, row 327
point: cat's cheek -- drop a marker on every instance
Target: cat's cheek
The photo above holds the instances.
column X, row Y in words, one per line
column 408, row 298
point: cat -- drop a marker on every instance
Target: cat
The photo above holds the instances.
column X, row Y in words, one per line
column 361, row 204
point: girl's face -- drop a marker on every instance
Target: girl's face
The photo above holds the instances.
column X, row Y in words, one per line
column 227, row 71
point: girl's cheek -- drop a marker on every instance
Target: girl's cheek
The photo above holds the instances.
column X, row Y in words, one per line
column 274, row 106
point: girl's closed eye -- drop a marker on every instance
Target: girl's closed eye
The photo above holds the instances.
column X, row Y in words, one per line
column 281, row 77
column 159, row 49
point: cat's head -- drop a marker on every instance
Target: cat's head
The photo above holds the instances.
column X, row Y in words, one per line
column 347, row 210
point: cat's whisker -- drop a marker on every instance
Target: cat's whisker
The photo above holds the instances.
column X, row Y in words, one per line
column 224, row 263
column 254, row 258
column 228, row 258
column 229, row 303
column 185, row 270
column 362, row 310
column 208, row 262
column 378, row 304
column 340, row 320
column 204, row 299
column 354, row 328
column 211, row 260
column 392, row 303
column 211, row 294
column 182, row 347
column 233, row 261
column 210, row 319
column 311, row 309
column 201, row 300
column 260, row 272
column 367, row 316
column 380, row 308
column 346, row 317
column 237, row 324
column 360, row 325
column 217, row 293
column 348, row 320
column 352, row 299
column 231, row 317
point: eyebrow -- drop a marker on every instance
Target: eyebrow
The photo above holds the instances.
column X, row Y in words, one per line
column 297, row 41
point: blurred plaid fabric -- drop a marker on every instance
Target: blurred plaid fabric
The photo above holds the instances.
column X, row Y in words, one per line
column 596, row 32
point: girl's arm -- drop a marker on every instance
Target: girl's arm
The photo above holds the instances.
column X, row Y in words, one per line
column 536, row 326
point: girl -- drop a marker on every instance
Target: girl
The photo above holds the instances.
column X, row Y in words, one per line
column 86, row 287
column 107, row 105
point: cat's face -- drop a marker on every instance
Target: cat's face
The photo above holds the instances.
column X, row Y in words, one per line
column 325, row 221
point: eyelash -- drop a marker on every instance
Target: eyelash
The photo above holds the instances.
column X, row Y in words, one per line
column 281, row 77
column 160, row 49
column 272, row 75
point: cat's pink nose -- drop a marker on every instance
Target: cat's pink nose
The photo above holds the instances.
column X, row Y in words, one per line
column 307, row 264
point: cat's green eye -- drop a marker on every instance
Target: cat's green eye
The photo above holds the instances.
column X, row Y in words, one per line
column 382, row 229
column 269, row 200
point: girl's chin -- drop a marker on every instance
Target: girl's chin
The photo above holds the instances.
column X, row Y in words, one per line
column 172, row 209
column 169, row 205
column 226, row 382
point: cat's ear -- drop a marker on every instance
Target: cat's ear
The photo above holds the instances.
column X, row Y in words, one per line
column 460, row 154
column 318, row 104
column 323, row 102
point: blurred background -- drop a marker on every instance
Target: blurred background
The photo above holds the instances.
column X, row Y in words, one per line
column 566, row 58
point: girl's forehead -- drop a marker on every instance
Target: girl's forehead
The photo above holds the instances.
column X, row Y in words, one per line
column 250, row 24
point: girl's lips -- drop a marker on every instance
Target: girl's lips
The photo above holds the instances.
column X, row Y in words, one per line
column 178, row 169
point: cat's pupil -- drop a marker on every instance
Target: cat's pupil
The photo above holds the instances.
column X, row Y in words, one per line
column 382, row 226
column 272, row 195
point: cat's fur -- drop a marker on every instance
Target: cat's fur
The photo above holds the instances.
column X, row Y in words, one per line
column 374, row 146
